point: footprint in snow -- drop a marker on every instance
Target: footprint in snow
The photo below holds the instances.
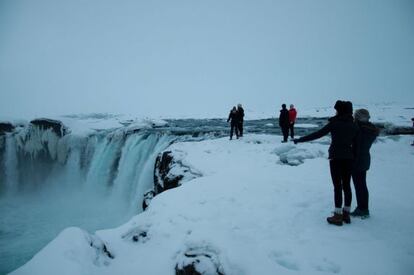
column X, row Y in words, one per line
column 284, row 259
column 328, row 266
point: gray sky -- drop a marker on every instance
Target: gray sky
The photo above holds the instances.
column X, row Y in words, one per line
column 200, row 57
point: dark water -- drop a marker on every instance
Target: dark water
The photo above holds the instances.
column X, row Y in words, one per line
column 219, row 127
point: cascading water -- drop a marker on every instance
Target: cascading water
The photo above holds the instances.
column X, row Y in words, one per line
column 50, row 182
column 10, row 163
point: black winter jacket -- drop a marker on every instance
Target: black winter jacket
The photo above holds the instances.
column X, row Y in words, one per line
column 233, row 117
column 240, row 114
column 362, row 144
column 284, row 118
column 343, row 131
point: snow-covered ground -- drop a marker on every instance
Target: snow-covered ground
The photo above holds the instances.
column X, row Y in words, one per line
column 259, row 208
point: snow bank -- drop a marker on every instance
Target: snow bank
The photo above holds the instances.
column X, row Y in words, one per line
column 74, row 251
column 251, row 214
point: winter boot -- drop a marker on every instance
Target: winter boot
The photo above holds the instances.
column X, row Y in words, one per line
column 336, row 219
column 358, row 212
column 345, row 217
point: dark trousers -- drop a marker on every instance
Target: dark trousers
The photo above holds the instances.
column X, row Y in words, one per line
column 285, row 132
column 361, row 190
column 240, row 128
column 341, row 170
column 234, row 128
column 292, row 130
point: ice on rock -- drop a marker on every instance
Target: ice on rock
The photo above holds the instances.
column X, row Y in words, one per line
column 294, row 155
column 172, row 169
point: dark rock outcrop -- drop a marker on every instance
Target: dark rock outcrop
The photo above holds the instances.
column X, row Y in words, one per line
column 390, row 129
column 6, row 127
column 169, row 172
column 44, row 124
column 399, row 130
column 148, row 196
column 162, row 180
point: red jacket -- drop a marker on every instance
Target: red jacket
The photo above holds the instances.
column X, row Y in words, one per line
column 292, row 115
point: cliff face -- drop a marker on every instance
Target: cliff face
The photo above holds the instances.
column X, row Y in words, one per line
column 6, row 127
column 170, row 171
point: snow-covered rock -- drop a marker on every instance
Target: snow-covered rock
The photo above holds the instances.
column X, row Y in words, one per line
column 74, row 251
column 171, row 170
column 198, row 261
column 55, row 125
column 292, row 155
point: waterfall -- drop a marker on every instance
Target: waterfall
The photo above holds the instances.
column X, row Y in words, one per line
column 10, row 163
column 112, row 164
column 49, row 182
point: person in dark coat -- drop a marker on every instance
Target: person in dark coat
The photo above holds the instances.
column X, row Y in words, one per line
column 343, row 132
column 366, row 136
column 234, row 122
column 284, row 122
column 240, row 113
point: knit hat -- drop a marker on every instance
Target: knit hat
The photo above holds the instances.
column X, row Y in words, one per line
column 362, row 115
column 348, row 108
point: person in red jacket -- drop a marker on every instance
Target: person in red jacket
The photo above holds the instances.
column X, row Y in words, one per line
column 292, row 120
column 413, row 126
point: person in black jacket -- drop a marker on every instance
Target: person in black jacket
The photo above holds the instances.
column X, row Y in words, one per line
column 284, row 122
column 362, row 144
column 240, row 113
column 343, row 132
column 234, row 122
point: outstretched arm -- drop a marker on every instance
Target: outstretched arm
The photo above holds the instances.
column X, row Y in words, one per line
column 318, row 134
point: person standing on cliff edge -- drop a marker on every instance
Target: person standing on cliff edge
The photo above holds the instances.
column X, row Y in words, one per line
column 292, row 120
column 234, row 122
column 412, row 144
column 284, row 122
column 367, row 133
column 343, row 132
column 240, row 114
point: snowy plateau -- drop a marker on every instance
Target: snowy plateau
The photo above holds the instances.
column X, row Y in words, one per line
column 250, row 206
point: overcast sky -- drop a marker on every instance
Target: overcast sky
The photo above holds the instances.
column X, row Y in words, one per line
column 200, row 57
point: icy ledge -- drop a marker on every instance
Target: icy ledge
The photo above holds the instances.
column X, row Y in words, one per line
column 250, row 213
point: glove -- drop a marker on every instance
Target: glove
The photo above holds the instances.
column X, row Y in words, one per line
column 296, row 141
